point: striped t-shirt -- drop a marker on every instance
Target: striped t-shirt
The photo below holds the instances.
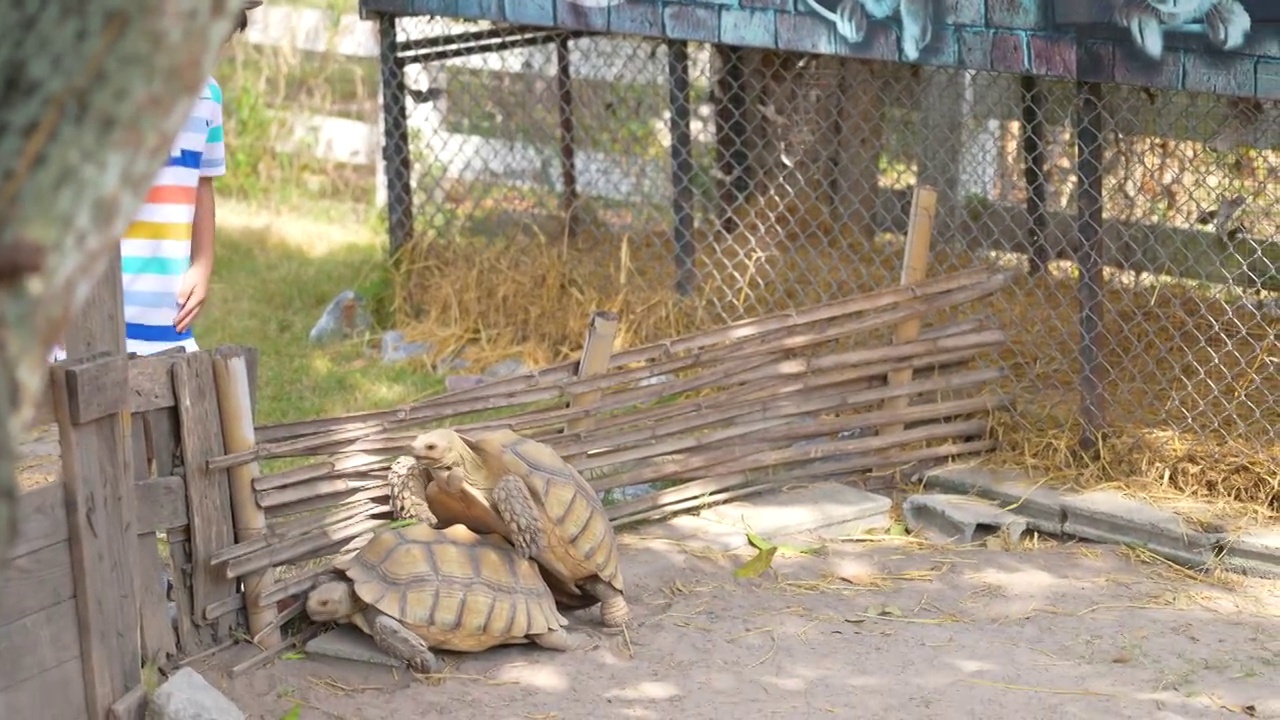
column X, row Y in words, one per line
column 156, row 248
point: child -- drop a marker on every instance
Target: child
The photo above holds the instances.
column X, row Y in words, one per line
column 167, row 252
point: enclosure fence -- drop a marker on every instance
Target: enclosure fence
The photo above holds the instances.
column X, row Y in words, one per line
column 731, row 182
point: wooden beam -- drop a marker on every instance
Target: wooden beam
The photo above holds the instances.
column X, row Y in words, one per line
column 162, row 503
column 98, row 327
column 915, row 269
column 101, row 519
column 596, row 351
column 150, row 388
column 36, row 580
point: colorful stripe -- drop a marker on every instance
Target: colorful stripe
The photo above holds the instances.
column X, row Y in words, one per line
column 156, row 247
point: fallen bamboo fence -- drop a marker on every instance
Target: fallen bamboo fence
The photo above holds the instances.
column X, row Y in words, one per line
column 821, row 392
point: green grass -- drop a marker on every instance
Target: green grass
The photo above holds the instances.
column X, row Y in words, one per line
column 274, row 275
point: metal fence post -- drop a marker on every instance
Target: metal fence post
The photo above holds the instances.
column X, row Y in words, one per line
column 395, row 139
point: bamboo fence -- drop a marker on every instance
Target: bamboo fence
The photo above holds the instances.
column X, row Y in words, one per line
column 823, row 392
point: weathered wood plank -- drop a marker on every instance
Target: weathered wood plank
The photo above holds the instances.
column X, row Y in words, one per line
column 42, row 518
column 101, row 520
column 57, row 694
column 133, row 706
column 208, row 494
column 150, row 388
column 192, row 639
column 96, row 389
column 159, row 643
column 36, row 581
column 38, row 642
column 162, row 503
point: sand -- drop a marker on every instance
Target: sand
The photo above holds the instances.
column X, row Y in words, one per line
column 869, row 630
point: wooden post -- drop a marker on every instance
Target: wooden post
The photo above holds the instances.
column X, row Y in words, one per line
column 601, row 332
column 99, row 326
column 208, row 497
column 91, row 402
column 915, row 267
column 231, row 372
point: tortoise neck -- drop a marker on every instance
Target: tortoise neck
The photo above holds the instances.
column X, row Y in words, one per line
column 473, row 466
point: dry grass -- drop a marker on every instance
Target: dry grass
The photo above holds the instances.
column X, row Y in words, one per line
column 1191, row 394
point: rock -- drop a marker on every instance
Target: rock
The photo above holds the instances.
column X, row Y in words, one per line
column 396, row 349
column 345, row 642
column 630, row 492
column 345, row 316
column 454, row 383
column 1105, row 516
column 960, row 519
column 506, row 368
column 1255, row 553
column 188, row 696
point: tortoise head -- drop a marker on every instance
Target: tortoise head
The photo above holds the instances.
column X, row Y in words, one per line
column 441, row 449
column 333, row 601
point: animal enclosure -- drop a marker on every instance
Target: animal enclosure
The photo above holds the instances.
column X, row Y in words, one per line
column 686, row 164
column 111, row 572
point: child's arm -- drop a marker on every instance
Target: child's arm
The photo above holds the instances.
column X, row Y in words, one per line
column 195, row 287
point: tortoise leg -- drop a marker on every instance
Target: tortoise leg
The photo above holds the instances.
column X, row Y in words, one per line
column 563, row 641
column 518, row 509
column 409, row 491
column 614, row 611
column 395, row 640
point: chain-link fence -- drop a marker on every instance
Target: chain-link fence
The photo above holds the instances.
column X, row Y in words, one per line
column 692, row 184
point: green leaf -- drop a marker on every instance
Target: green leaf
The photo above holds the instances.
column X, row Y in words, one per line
column 293, row 713
column 898, row 529
column 295, row 655
column 396, row 524
column 756, row 566
column 761, row 544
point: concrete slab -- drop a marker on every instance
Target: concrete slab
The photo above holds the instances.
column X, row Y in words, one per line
column 1014, row 490
column 825, row 510
column 1106, row 516
column 1255, row 553
column 692, row 530
column 961, row 519
column 348, row 643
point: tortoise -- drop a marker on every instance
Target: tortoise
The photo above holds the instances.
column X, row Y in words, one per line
column 501, row 481
column 416, row 588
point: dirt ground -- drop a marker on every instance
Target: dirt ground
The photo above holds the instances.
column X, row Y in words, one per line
column 887, row 629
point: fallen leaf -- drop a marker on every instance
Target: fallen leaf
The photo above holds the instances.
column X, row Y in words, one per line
column 395, row 524
column 761, row 544
column 295, row 655
column 884, row 611
column 899, row 529
column 294, row 713
column 756, row 566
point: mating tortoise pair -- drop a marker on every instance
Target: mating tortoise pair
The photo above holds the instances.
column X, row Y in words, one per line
column 509, row 534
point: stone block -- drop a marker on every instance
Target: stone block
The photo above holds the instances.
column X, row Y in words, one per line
column 692, row 530
column 1255, row 553
column 961, row 519
column 188, row 696
column 572, row 15
column 805, row 33
column 825, row 510
column 1012, row 490
column 346, row 642
column 1105, row 516
column 691, row 22
column 531, row 12
column 636, row 17
column 481, row 9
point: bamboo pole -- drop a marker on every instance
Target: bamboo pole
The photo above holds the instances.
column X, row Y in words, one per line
column 915, row 268
column 602, row 331
column 231, row 379
column 693, row 342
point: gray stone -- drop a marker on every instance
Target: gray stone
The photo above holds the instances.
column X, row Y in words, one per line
column 188, row 696
column 1105, row 516
column 396, row 349
column 693, row 531
column 961, row 519
column 346, row 642
column 826, row 510
column 1255, row 553
column 346, row 315
column 1013, row 490
column 506, row 368
column 454, row 383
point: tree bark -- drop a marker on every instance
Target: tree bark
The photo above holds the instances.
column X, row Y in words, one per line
column 91, row 96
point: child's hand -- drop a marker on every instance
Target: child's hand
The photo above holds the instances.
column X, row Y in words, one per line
column 191, row 296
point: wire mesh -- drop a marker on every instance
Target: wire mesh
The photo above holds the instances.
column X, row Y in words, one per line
column 796, row 189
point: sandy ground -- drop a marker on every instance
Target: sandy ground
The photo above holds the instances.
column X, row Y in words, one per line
column 870, row 630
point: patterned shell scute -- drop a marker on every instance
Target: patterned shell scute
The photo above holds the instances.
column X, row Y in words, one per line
column 571, row 504
column 453, row 580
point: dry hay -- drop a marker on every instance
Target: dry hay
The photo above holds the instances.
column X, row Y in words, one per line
column 1191, row 396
